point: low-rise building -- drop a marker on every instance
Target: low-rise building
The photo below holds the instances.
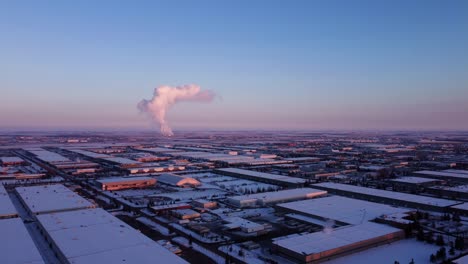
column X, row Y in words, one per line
column 121, row 183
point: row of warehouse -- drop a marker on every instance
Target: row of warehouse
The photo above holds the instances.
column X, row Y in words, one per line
column 80, row 233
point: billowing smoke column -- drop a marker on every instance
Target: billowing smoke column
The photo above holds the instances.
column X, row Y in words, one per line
column 166, row 96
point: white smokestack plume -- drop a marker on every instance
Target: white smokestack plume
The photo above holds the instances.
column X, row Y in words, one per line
column 166, row 96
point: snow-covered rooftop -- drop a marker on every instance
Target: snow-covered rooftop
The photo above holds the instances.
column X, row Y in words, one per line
column 405, row 197
column 463, row 206
column 11, row 160
column 451, row 173
column 262, row 175
column 95, row 236
column 48, row 156
column 343, row 209
column 266, row 197
column 51, row 198
column 121, row 160
column 322, row 241
column 17, row 246
column 7, row 208
column 415, row 180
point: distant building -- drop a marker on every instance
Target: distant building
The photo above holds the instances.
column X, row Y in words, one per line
column 11, row 161
column 113, row 184
column 185, row 214
column 202, row 203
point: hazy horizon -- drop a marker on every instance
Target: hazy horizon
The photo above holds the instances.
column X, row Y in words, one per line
column 302, row 65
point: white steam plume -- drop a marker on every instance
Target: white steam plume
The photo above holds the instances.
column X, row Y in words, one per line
column 166, row 96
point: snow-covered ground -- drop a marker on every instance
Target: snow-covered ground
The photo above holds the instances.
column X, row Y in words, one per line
column 402, row 251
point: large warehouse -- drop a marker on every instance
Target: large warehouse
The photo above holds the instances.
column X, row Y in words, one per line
column 96, row 236
column 266, row 198
column 455, row 175
column 7, row 209
column 388, row 197
column 343, row 210
column 263, row 177
column 321, row 246
column 51, row 198
column 120, row 183
column 17, row 245
column 178, row 180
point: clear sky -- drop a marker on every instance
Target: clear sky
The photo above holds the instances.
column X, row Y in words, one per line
column 275, row 64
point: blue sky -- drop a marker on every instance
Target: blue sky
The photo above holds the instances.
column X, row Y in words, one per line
column 275, row 64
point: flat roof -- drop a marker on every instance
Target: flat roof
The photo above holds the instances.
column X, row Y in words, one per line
column 125, row 179
column 415, row 180
column 47, row 156
column 267, row 176
column 95, row 236
column 11, row 159
column 17, row 246
column 51, row 198
column 456, row 171
column 283, row 194
column 443, row 174
column 343, row 209
column 121, row 160
column 404, row 197
column 463, row 206
column 322, row 241
column 6, row 206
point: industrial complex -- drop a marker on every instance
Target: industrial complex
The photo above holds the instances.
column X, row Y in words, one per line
column 229, row 197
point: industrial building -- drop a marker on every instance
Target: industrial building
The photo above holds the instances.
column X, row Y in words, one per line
column 51, row 198
column 415, row 181
column 47, row 156
column 11, row 161
column 185, row 214
column 244, row 225
column 121, row 183
column 96, row 236
column 267, row 198
column 7, row 209
column 178, row 180
column 203, row 203
column 263, row 177
column 388, row 197
column 170, row 207
column 17, row 246
column 342, row 210
column 454, row 175
column 322, row 246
